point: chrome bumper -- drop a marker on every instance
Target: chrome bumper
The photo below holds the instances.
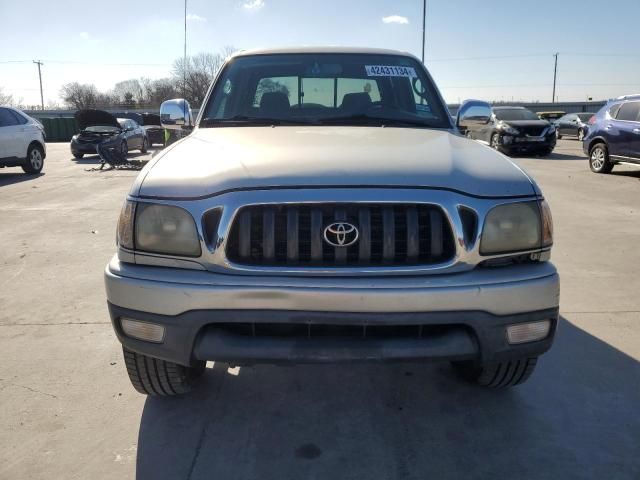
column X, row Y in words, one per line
column 169, row 291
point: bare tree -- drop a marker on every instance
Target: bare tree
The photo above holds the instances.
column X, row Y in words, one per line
column 5, row 98
column 79, row 95
column 193, row 76
column 130, row 92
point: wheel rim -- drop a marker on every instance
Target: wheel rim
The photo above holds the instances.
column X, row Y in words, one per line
column 597, row 158
column 580, row 134
column 494, row 142
column 36, row 159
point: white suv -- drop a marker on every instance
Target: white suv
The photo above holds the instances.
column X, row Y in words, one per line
column 22, row 141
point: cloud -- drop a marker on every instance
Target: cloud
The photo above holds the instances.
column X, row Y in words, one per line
column 192, row 17
column 84, row 35
column 253, row 4
column 400, row 20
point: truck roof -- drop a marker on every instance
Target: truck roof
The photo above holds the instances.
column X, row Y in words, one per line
column 320, row 49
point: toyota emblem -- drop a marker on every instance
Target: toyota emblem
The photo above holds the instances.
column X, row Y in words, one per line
column 341, row 234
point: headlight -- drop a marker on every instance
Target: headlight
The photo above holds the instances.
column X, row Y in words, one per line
column 517, row 227
column 124, row 235
column 166, row 229
column 508, row 129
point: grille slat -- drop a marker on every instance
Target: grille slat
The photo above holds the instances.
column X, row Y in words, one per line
column 293, row 235
column 268, row 234
column 364, row 242
column 316, row 234
column 244, row 242
column 413, row 234
column 388, row 234
column 293, row 249
column 436, row 234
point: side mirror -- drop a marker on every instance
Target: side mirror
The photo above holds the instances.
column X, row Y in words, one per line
column 176, row 114
column 472, row 113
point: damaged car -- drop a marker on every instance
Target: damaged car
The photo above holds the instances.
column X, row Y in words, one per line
column 97, row 126
column 515, row 130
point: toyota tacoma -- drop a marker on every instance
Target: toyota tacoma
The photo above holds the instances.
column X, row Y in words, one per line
column 324, row 207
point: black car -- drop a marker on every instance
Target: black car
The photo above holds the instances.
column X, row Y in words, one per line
column 575, row 124
column 151, row 124
column 98, row 125
column 515, row 130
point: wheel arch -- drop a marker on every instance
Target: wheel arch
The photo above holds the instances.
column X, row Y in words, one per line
column 40, row 146
column 596, row 140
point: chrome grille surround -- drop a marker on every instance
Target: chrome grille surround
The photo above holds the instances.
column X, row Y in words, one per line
column 214, row 244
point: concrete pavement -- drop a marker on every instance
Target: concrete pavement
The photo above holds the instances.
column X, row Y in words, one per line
column 68, row 410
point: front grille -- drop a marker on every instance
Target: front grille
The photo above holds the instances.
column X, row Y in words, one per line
column 293, row 235
column 532, row 131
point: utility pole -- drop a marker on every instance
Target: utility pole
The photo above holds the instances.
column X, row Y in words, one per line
column 184, row 56
column 555, row 73
column 39, row 63
column 424, row 21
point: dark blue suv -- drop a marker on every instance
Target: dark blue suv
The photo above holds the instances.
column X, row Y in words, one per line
column 614, row 134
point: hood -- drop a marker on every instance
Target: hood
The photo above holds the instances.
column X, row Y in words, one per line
column 214, row 160
column 92, row 118
column 150, row 119
column 527, row 123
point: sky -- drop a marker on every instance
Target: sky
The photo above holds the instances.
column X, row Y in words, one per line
column 493, row 50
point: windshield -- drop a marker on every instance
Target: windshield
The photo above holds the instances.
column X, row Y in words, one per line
column 319, row 89
column 507, row 114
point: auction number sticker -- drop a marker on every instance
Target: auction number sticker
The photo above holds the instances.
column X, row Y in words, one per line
column 390, row 71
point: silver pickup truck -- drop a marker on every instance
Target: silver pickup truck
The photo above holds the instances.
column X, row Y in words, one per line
column 324, row 208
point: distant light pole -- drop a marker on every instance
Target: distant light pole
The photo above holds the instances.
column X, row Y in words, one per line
column 39, row 63
column 555, row 73
column 424, row 21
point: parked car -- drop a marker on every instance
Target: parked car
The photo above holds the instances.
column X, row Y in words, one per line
column 22, row 141
column 325, row 208
column 513, row 130
column 150, row 122
column 550, row 116
column 99, row 125
column 155, row 131
column 614, row 135
column 575, row 124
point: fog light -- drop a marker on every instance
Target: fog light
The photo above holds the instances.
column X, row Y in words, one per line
column 528, row 332
column 149, row 332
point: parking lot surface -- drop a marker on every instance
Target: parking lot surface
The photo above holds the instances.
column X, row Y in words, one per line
column 68, row 410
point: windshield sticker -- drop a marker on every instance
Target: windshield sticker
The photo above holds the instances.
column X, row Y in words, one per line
column 390, row 71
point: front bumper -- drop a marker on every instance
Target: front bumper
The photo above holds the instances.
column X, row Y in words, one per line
column 463, row 315
column 78, row 147
column 523, row 144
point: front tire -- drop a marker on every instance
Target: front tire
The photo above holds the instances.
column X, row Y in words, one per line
column 124, row 148
column 599, row 159
column 145, row 145
column 152, row 376
column 35, row 160
column 78, row 155
column 558, row 136
column 498, row 374
column 581, row 134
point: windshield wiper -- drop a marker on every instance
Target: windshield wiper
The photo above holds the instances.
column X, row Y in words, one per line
column 243, row 120
column 370, row 119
